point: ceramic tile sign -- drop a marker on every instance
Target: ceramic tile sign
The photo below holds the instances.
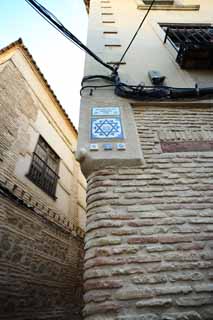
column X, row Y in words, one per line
column 105, row 111
column 106, row 123
column 106, row 128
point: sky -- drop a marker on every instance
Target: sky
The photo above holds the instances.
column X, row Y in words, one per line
column 59, row 60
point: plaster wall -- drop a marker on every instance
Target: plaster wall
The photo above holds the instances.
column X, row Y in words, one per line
column 148, row 50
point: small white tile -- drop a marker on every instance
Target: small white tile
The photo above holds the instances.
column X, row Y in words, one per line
column 121, row 146
column 93, row 147
column 107, row 146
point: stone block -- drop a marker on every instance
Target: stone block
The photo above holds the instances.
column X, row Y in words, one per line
column 101, row 308
column 102, row 284
column 151, row 303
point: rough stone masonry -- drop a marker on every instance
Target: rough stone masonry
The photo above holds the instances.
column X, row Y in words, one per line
column 149, row 234
column 40, row 253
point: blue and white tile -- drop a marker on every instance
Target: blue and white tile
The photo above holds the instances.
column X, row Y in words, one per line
column 106, row 128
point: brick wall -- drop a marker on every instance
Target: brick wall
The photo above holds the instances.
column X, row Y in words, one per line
column 150, row 229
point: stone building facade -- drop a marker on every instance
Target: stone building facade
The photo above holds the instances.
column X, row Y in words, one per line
column 42, row 197
column 149, row 163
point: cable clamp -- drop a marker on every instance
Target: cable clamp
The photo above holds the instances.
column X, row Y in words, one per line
column 197, row 89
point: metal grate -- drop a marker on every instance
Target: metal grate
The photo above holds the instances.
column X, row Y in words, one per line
column 194, row 44
column 44, row 167
column 159, row 2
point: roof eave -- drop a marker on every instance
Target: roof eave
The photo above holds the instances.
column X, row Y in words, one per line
column 87, row 4
column 19, row 44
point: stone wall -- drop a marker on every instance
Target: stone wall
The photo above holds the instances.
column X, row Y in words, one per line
column 41, row 250
column 18, row 110
column 40, row 265
column 150, row 229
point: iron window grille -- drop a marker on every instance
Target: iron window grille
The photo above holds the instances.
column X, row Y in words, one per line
column 44, row 168
column 193, row 43
column 159, row 2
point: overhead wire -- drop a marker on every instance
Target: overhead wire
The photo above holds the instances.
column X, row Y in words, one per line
column 136, row 92
column 95, row 77
column 50, row 18
column 96, row 87
column 54, row 21
column 133, row 38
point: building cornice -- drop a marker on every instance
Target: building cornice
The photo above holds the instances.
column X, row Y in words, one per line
column 11, row 189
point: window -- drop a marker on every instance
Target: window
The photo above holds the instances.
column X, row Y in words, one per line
column 159, row 2
column 193, row 43
column 44, row 168
column 177, row 5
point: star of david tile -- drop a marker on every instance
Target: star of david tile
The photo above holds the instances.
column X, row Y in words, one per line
column 106, row 128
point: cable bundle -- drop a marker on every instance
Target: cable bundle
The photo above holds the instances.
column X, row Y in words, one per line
column 142, row 92
column 139, row 92
column 50, row 18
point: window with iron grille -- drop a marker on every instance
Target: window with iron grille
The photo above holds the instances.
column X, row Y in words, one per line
column 193, row 43
column 159, row 2
column 44, row 168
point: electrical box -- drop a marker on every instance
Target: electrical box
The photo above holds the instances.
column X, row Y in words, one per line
column 156, row 77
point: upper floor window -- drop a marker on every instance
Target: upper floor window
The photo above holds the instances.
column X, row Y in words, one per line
column 178, row 5
column 44, row 168
column 193, row 43
column 159, row 2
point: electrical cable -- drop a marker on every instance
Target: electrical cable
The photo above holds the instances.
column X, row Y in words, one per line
column 95, row 87
column 142, row 92
column 95, row 77
column 133, row 38
column 136, row 92
column 50, row 18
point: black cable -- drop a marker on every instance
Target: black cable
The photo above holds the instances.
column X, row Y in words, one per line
column 50, row 18
column 142, row 92
column 54, row 26
column 136, row 92
column 142, row 22
column 95, row 87
column 95, row 77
